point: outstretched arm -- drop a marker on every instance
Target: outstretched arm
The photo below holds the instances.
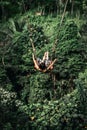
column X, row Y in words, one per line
column 35, row 63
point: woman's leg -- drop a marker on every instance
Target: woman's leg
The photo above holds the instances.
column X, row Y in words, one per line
column 46, row 56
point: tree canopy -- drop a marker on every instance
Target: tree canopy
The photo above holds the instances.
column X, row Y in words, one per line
column 30, row 99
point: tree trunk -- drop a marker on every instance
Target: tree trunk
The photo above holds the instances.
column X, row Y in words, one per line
column 3, row 11
column 72, row 7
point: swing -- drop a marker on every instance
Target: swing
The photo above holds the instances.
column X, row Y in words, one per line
column 45, row 64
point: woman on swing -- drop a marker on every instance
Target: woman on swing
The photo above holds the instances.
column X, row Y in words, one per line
column 43, row 64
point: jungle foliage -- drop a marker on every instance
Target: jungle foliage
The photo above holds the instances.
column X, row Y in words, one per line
column 32, row 100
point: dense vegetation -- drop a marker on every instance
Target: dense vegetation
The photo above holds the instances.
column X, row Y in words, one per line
column 32, row 100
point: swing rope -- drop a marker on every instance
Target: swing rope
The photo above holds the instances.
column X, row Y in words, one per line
column 61, row 21
column 63, row 13
column 34, row 50
column 54, row 45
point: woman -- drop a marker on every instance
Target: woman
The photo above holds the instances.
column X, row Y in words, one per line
column 43, row 64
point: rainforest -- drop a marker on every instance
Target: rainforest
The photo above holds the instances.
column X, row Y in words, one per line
column 55, row 99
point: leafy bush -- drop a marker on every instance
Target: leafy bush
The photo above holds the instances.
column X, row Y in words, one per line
column 70, row 51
